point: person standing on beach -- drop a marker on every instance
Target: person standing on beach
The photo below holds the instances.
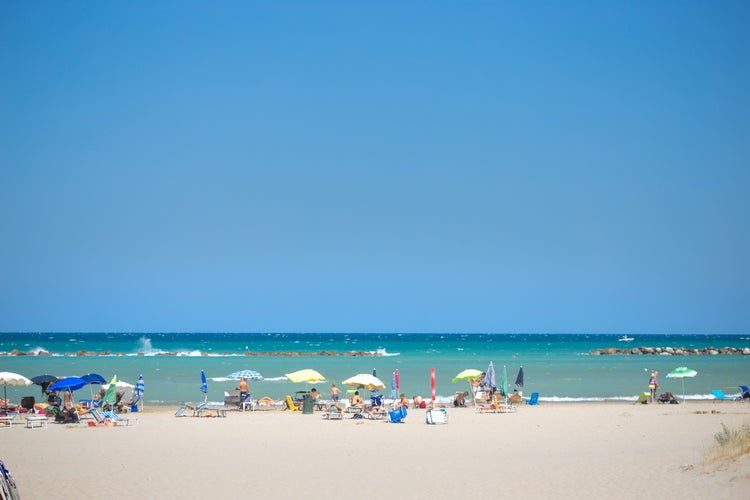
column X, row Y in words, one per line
column 334, row 393
column 244, row 389
column 653, row 385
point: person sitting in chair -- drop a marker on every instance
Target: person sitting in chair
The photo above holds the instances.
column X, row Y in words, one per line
column 515, row 398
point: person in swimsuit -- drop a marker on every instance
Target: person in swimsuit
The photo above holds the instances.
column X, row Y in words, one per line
column 244, row 389
column 334, row 393
column 653, row 385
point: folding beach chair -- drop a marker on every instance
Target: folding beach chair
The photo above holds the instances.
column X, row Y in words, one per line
column 534, row 399
column 436, row 416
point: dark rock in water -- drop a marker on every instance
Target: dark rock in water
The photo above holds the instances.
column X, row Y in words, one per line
column 674, row 351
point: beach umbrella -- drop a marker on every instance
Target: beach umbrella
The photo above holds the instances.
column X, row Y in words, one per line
column 364, row 381
column 44, row 381
column 204, row 386
column 489, row 384
column 10, row 378
column 504, row 383
column 248, row 374
column 682, row 372
column 140, row 388
column 519, row 377
column 110, row 395
column 308, row 376
column 68, row 384
column 468, row 375
column 93, row 378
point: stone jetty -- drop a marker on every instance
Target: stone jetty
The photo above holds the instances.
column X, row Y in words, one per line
column 675, row 351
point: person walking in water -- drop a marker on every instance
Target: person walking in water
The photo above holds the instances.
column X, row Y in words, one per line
column 653, row 385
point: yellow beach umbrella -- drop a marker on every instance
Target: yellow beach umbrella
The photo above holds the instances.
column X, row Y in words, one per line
column 307, row 375
column 364, row 381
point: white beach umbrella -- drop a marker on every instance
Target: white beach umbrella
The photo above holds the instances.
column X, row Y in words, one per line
column 10, row 378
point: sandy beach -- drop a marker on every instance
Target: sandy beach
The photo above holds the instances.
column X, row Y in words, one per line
column 552, row 451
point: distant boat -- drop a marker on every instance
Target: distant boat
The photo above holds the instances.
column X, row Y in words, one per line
column 625, row 338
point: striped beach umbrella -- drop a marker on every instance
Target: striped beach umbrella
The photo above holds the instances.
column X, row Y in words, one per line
column 139, row 387
column 248, row 374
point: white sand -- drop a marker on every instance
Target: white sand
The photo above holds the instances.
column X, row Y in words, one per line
column 550, row 451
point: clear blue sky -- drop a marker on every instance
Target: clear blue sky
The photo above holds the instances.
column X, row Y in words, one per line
column 392, row 167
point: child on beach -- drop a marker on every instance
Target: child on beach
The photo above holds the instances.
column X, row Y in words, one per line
column 653, row 385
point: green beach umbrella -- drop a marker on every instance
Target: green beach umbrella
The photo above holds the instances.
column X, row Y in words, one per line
column 468, row 375
column 110, row 396
column 682, row 372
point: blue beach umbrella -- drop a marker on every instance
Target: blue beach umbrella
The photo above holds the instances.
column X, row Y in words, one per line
column 204, row 386
column 519, row 377
column 139, row 387
column 67, row 384
column 93, row 378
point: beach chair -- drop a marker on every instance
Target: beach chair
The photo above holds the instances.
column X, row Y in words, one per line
column 436, row 416
column 290, row 404
column 534, row 399
column 333, row 414
column 720, row 396
column 186, row 406
column 104, row 417
column 643, row 398
column 120, row 420
column 397, row 416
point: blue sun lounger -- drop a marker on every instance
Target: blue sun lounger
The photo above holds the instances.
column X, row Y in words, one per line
column 720, row 396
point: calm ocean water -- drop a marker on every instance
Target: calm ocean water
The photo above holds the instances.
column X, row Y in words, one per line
column 557, row 366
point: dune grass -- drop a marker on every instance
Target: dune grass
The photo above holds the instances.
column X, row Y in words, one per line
column 731, row 444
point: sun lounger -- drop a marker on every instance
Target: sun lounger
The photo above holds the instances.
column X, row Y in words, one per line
column 720, row 396
column 7, row 420
column 333, row 414
column 210, row 411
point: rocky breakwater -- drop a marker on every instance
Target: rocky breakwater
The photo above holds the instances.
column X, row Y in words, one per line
column 675, row 351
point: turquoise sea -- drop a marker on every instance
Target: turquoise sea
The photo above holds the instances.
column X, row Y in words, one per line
column 558, row 366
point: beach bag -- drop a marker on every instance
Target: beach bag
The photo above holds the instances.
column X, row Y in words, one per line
column 438, row 416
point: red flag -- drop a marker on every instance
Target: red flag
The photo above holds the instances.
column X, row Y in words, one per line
column 398, row 382
column 432, row 377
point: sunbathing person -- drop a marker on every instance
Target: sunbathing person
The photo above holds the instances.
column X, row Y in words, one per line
column 356, row 400
column 515, row 398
